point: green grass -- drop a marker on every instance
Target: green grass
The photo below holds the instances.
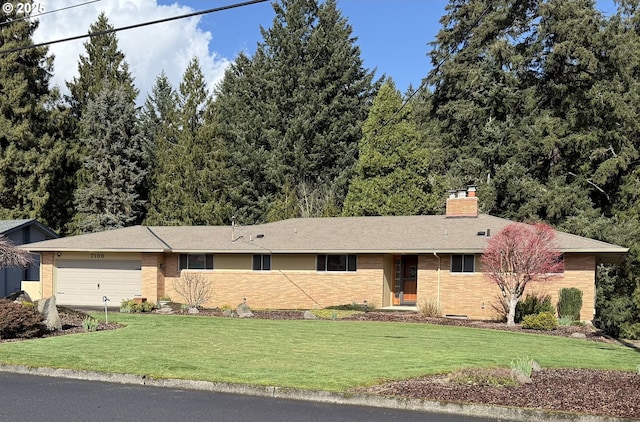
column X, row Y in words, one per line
column 323, row 355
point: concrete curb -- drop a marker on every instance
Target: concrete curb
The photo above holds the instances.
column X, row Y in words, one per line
column 493, row 412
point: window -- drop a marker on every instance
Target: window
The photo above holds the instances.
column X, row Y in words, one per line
column 196, row 261
column 463, row 263
column 261, row 262
column 560, row 261
column 336, row 263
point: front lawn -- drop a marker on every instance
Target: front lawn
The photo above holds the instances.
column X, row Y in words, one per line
column 323, row 355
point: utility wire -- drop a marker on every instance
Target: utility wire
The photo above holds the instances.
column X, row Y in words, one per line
column 433, row 72
column 138, row 25
column 26, row 16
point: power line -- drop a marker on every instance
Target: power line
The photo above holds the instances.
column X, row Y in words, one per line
column 138, row 25
column 26, row 16
column 433, row 72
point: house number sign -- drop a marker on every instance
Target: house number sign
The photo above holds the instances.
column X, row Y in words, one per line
column 97, row 256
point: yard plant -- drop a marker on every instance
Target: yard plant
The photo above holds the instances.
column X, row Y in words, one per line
column 321, row 354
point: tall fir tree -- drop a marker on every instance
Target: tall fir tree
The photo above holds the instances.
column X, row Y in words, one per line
column 100, row 69
column 33, row 130
column 190, row 183
column 292, row 114
column 482, row 60
column 392, row 172
column 103, row 64
column 154, row 122
column 536, row 101
column 112, row 169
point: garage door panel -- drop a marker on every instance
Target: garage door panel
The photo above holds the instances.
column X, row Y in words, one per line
column 85, row 283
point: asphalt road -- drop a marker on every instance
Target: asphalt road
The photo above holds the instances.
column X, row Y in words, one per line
column 36, row 398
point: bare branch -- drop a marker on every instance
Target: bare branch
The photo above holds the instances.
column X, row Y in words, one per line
column 194, row 288
column 11, row 256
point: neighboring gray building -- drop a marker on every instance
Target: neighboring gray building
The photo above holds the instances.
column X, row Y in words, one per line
column 21, row 232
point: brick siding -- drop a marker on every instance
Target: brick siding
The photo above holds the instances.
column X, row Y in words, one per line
column 473, row 295
column 470, row 294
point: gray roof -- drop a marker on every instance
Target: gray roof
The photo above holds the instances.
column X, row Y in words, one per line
column 7, row 226
column 401, row 234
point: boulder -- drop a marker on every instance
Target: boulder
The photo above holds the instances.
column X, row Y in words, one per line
column 47, row 307
column 520, row 376
column 309, row 315
column 193, row 311
column 578, row 335
column 244, row 311
column 165, row 310
column 228, row 313
column 19, row 297
column 535, row 366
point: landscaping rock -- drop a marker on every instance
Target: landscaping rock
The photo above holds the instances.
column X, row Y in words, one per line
column 309, row 315
column 520, row 376
column 193, row 311
column 19, row 297
column 535, row 366
column 244, row 311
column 579, row 335
column 228, row 313
column 165, row 310
column 47, row 307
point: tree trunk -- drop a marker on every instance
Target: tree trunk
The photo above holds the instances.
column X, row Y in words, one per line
column 511, row 316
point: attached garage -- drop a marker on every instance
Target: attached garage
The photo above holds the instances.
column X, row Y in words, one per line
column 81, row 282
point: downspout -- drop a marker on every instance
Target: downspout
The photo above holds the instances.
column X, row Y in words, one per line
column 438, row 297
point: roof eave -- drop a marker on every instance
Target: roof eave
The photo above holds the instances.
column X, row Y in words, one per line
column 90, row 250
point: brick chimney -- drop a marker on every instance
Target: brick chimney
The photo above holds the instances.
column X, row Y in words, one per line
column 462, row 203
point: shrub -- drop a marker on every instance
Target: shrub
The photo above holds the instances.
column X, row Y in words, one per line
column 194, row 288
column 543, row 321
column 533, row 304
column 630, row 331
column 565, row 321
column 570, row 303
column 17, row 321
column 429, row 308
column 90, row 324
column 523, row 365
column 128, row 306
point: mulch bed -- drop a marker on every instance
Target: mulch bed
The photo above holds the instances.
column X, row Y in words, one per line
column 587, row 391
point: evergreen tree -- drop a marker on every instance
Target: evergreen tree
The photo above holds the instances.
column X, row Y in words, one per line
column 190, row 184
column 481, row 59
column 391, row 175
column 103, row 64
column 536, row 102
column 292, row 113
column 33, row 150
column 112, row 172
column 154, row 122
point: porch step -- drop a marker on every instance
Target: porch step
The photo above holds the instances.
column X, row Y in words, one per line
column 400, row 308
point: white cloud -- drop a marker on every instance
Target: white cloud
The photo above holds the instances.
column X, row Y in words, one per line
column 166, row 46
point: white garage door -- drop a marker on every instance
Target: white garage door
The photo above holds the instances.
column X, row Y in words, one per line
column 85, row 283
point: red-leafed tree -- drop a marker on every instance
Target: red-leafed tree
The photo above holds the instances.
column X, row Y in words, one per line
column 518, row 255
